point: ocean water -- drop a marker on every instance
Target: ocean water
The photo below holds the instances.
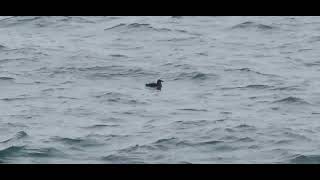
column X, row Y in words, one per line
column 237, row 89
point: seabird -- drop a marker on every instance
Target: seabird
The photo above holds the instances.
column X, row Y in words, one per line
column 157, row 85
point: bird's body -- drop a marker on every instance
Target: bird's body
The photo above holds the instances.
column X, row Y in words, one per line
column 157, row 85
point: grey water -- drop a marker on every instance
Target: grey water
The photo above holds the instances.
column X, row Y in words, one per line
column 237, row 89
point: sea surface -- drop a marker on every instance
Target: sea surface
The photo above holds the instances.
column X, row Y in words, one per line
column 236, row 89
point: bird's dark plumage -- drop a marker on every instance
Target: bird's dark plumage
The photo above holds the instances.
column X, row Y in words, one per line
column 157, row 85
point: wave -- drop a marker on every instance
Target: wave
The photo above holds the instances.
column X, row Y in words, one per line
column 110, row 94
column 2, row 47
column 115, row 97
column 248, row 70
column 192, row 109
column 314, row 39
column 305, row 159
column 45, row 152
column 68, row 98
column 180, row 66
column 119, row 56
column 16, row 60
column 14, row 99
column 288, row 88
column 109, row 137
column 6, row 79
column 121, row 159
column 245, row 139
column 111, row 119
column 244, row 127
column 17, row 136
column 43, row 21
column 179, row 39
column 317, row 63
column 253, row 86
column 283, row 141
column 24, row 151
column 194, row 76
column 132, row 72
column 11, row 151
column 143, row 27
column 136, row 26
column 193, row 123
column 166, row 144
column 257, row 86
column 296, row 136
column 99, row 126
column 77, row 141
column 292, row 100
column 252, row 25
column 98, row 72
column 18, row 20
column 212, row 142
column 175, row 143
column 19, row 125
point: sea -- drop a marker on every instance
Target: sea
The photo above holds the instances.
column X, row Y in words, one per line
column 236, row 90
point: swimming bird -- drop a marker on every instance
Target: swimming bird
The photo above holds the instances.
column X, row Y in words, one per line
column 157, row 85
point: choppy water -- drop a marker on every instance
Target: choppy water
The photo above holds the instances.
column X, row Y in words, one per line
column 236, row 90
